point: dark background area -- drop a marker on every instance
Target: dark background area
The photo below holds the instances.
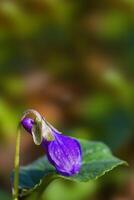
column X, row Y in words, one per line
column 73, row 62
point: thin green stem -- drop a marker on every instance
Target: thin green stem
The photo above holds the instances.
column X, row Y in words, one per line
column 16, row 165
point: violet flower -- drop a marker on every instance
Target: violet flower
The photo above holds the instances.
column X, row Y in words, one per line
column 63, row 152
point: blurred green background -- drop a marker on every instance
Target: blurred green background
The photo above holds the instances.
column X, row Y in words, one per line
column 73, row 61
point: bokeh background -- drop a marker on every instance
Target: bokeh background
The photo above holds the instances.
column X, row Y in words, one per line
column 73, row 61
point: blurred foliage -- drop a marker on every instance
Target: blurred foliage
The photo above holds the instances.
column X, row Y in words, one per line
column 73, row 62
column 66, row 190
column 4, row 195
column 7, row 126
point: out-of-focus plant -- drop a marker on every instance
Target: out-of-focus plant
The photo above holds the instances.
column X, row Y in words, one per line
column 4, row 195
column 6, row 112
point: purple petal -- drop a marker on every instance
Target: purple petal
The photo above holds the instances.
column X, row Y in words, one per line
column 65, row 154
column 27, row 123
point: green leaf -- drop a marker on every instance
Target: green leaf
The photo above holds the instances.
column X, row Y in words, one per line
column 97, row 160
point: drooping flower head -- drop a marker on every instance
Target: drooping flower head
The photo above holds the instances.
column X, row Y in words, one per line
column 63, row 152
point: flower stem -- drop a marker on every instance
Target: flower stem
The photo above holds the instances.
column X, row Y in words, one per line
column 16, row 165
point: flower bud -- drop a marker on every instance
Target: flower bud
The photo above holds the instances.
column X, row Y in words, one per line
column 63, row 152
